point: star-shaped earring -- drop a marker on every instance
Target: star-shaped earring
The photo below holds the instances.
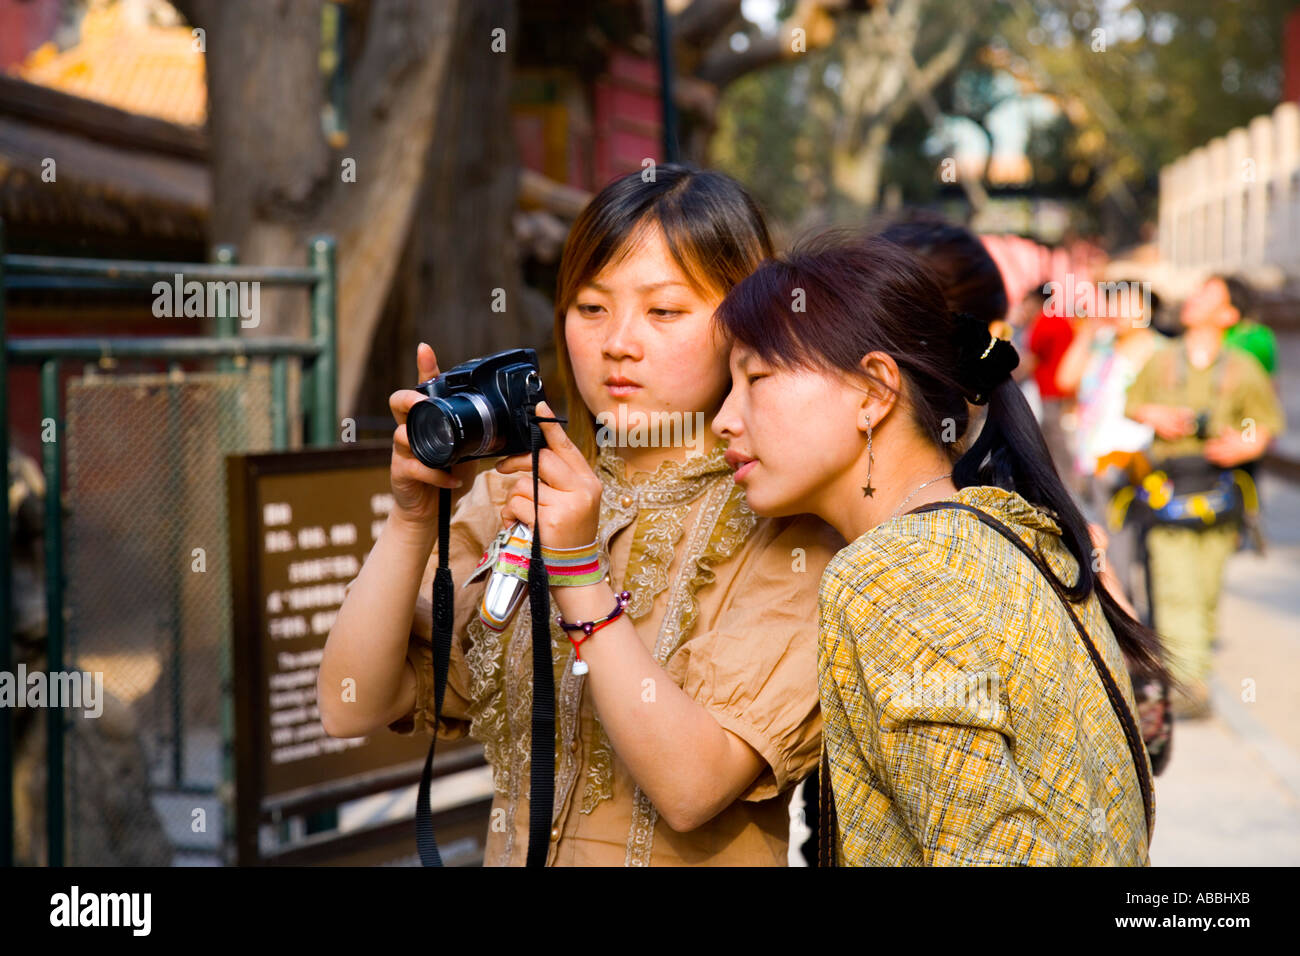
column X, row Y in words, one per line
column 868, row 491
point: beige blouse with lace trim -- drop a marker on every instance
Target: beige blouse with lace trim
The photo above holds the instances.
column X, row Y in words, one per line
column 728, row 603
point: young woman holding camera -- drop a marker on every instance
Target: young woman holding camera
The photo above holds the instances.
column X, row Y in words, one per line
column 697, row 711
column 966, row 718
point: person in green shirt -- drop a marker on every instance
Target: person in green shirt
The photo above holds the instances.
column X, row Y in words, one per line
column 1202, row 399
column 1252, row 337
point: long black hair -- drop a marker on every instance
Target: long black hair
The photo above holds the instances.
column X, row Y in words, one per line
column 865, row 294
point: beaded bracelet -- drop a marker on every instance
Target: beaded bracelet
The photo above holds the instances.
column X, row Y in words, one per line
column 589, row 628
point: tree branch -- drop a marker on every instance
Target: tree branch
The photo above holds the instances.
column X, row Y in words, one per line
column 924, row 79
column 703, row 20
column 722, row 65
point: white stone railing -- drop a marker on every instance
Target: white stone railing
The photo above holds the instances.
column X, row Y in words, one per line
column 1233, row 205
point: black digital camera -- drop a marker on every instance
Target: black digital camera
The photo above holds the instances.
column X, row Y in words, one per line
column 479, row 409
column 1203, row 424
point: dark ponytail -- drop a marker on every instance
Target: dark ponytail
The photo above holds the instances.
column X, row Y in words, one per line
column 1010, row 453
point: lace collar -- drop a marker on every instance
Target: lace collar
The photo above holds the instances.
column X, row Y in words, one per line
column 675, row 481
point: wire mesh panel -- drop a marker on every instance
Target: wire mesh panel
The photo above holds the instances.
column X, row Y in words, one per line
column 148, row 596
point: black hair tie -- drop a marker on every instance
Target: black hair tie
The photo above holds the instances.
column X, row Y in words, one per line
column 984, row 361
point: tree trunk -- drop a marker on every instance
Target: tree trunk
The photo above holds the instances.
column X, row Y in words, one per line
column 857, row 173
column 461, row 265
column 276, row 179
column 880, row 83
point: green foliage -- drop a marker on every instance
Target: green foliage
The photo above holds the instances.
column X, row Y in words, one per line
column 1161, row 78
column 770, row 138
column 1173, row 74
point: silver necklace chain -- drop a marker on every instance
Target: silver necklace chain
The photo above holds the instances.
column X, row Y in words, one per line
column 915, row 493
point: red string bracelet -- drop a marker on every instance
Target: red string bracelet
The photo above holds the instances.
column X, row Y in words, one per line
column 589, row 628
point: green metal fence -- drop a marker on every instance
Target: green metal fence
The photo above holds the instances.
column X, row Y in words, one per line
column 230, row 353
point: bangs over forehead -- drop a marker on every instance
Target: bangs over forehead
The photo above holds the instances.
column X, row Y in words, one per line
column 680, row 248
column 759, row 317
column 713, row 231
column 830, row 300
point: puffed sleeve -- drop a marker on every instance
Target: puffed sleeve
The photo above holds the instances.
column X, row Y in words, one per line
column 474, row 522
column 935, row 724
column 754, row 666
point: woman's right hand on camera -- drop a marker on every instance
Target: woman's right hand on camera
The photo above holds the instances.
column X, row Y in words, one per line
column 415, row 485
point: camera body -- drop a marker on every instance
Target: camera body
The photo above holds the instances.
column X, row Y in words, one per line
column 479, row 409
column 1203, row 424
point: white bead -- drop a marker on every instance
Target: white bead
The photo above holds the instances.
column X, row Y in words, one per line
column 579, row 667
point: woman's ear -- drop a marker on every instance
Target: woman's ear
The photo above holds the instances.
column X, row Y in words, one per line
column 884, row 384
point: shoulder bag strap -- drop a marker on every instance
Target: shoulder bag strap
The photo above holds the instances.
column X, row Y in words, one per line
column 1135, row 746
column 827, row 823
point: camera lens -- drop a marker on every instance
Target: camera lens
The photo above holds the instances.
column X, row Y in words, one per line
column 444, row 431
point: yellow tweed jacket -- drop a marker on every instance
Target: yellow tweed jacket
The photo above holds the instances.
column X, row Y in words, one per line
column 964, row 720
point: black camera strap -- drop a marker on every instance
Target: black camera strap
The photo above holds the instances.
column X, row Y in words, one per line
column 541, row 787
column 443, row 614
column 541, row 795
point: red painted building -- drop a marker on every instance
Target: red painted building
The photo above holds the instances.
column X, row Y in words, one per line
column 25, row 25
column 1291, row 57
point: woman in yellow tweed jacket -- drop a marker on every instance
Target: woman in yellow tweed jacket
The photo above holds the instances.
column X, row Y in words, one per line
column 965, row 720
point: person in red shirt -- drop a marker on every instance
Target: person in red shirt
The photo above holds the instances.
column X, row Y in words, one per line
column 1049, row 339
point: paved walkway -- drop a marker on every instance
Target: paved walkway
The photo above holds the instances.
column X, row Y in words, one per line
column 1231, row 793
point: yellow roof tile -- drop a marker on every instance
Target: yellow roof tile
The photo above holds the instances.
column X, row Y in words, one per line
column 120, row 61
